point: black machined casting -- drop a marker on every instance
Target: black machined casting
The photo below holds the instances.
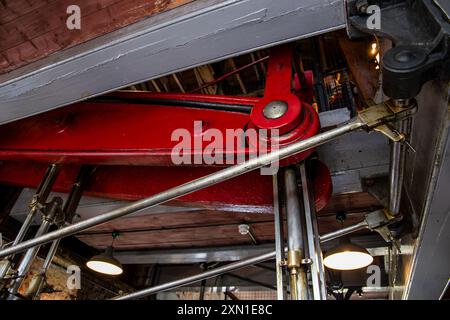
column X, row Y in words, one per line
column 420, row 32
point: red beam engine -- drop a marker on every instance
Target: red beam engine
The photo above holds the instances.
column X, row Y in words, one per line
column 131, row 136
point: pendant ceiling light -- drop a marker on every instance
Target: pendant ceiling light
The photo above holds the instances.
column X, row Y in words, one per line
column 105, row 262
column 347, row 256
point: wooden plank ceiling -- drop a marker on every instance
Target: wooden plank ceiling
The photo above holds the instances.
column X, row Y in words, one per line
column 204, row 228
column 33, row 29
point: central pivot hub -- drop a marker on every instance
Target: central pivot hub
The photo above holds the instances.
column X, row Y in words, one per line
column 275, row 109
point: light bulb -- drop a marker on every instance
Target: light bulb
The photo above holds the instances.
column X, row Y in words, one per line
column 348, row 260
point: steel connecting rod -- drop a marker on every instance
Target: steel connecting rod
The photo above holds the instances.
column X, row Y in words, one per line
column 295, row 237
column 369, row 223
column 198, row 277
column 368, row 119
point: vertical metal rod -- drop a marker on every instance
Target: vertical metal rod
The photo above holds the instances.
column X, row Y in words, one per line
column 202, row 290
column 192, row 186
column 299, row 288
column 279, row 240
column 313, row 239
column 41, row 195
column 295, row 234
column 396, row 171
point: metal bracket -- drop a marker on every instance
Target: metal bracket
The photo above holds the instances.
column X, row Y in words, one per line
column 52, row 211
column 306, row 262
column 377, row 116
column 379, row 221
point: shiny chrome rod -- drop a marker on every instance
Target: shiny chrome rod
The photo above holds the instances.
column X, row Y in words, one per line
column 295, row 237
column 396, row 171
column 218, row 271
column 198, row 277
column 344, row 231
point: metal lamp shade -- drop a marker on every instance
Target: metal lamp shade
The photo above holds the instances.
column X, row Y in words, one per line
column 347, row 256
column 105, row 263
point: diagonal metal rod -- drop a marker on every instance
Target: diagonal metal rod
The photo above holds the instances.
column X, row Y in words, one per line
column 40, row 197
column 189, row 187
column 69, row 209
column 198, row 277
column 344, row 231
column 227, row 268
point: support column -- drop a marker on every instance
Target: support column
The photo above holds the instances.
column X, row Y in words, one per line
column 313, row 248
column 279, row 241
column 52, row 211
column 295, row 234
column 40, row 197
column 68, row 212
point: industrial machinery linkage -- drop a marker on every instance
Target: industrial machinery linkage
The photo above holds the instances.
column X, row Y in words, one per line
column 138, row 133
column 107, row 132
column 373, row 118
column 420, row 32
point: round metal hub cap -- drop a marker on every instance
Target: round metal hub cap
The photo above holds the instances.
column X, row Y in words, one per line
column 275, row 109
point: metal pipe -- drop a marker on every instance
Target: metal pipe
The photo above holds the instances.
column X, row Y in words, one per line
column 41, row 195
column 28, row 259
column 293, row 219
column 279, row 240
column 35, row 287
column 69, row 210
column 344, row 231
column 30, row 255
column 189, row 187
column 252, row 236
column 195, row 278
column 295, row 234
column 50, row 255
column 255, row 282
column 224, row 269
column 313, row 239
column 396, row 172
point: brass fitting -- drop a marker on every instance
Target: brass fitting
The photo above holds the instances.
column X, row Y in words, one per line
column 377, row 116
column 389, row 215
column 294, row 259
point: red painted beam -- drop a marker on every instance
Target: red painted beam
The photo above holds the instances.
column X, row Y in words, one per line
column 251, row 192
column 140, row 133
column 133, row 142
column 108, row 133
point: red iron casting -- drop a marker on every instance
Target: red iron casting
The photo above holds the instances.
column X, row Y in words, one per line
column 132, row 142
